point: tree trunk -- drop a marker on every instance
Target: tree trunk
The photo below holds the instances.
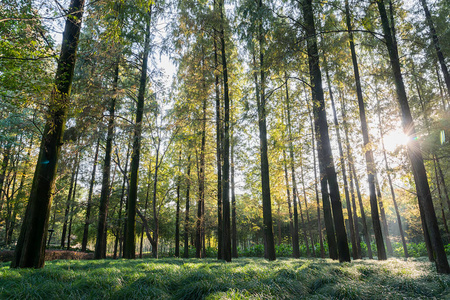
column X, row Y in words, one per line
column 100, row 245
column 265, row 179
column 20, row 192
column 308, row 226
column 147, row 196
column 391, row 186
column 30, row 248
column 441, row 175
column 177, row 215
column 438, row 185
column 87, row 221
column 356, row 252
column 295, row 239
column 316, row 190
column 321, row 126
column 234, row 251
column 69, row 201
column 201, row 187
column 119, row 236
column 384, row 223
column 288, row 194
column 441, row 91
column 354, row 178
column 218, row 148
column 129, row 246
column 370, row 163
column 186, row 218
column 226, row 226
column 10, row 206
column 155, row 213
column 436, row 44
column 413, row 148
column 5, row 162
column 72, row 205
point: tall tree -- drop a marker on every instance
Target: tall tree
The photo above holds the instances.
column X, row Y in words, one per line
column 226, row 229
column 100, row 245
column 356, row 252
column 265, row 179
column 30, row 248
column 370, row 163
column 234, row 250
column 413, row 147
column 218, row 144
column 130, row 237
column 321, row 126
column 201, row 172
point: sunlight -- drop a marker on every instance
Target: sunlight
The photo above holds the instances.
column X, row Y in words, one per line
column 394, row 139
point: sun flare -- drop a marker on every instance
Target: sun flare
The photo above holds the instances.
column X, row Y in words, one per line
column 394, row 139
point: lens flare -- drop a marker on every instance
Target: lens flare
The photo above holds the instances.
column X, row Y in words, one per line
column 394, row 139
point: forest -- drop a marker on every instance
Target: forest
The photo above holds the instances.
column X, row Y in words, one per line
column 288, row 131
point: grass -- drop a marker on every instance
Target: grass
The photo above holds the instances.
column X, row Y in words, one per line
column 244, row 278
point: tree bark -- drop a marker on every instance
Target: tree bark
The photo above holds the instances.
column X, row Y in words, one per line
column 413, row 147
column 218, row 147
column 226, row 226
column 321, row 126
column 130, row 234
column 30, row 248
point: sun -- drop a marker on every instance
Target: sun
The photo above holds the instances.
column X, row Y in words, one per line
column 394, row 139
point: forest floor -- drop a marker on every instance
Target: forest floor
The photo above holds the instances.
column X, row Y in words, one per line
column 244, row 278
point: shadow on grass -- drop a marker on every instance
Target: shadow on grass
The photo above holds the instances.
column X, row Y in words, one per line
column 244, row 278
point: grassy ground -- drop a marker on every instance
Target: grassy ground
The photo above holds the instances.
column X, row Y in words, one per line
column 244, row 278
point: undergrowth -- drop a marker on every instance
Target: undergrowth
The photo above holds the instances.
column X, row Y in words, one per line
column 244, row 278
